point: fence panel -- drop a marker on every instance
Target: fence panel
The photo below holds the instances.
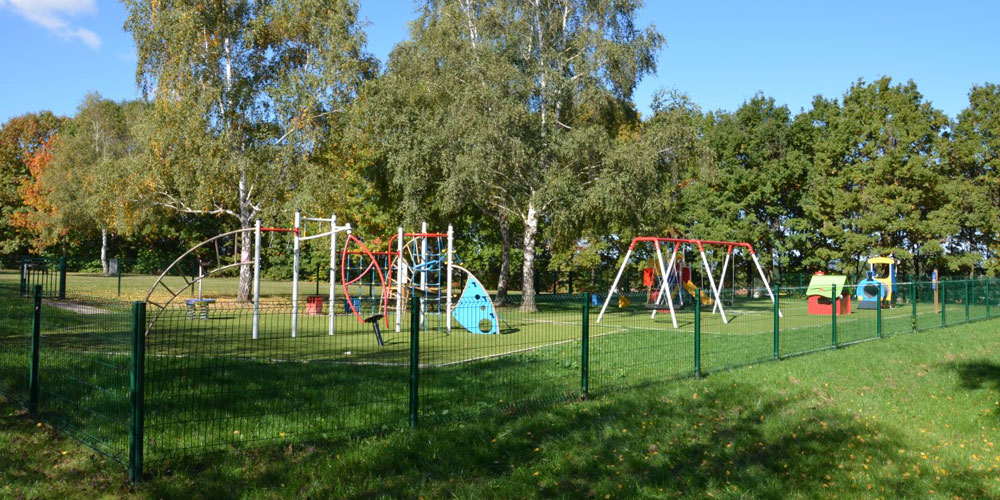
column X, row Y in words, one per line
column 861, row 324
column 211, row 385
column 802, row 331
column 929, row 297
column 15, row 343
column 898, row 319
column 631, row 346
column 529, row 358
column 49, row 272
column 978, row 300
column 745, row 336
column 84, row 371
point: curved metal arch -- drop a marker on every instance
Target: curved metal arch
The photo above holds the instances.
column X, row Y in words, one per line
column 173, row 295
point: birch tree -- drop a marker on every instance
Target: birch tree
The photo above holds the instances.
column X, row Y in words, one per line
column 524, row 94
column 244, row 92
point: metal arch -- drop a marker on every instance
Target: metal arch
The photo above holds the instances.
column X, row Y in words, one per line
column 159, row 279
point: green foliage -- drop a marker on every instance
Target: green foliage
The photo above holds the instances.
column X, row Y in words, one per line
column 878, row 179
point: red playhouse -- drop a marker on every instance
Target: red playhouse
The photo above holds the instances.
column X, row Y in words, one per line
column 820, row 292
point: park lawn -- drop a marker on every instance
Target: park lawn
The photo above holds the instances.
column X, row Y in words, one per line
column 914, row 416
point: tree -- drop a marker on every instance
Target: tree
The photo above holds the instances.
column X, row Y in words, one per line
column 642, row 188
column 975, row 152
column 37, row 215
column 244, row 94
column 518, row 101
column 21, row 138
column 88, row 174
column 752, row 191
column 877, row 183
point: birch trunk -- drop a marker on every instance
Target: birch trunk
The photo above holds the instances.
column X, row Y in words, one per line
column 528, row 266
column 246, row 217
column 104, row 251
column 504, row 280
column 246, row 255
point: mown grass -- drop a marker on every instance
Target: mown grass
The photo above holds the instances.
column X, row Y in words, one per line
column 914, row 416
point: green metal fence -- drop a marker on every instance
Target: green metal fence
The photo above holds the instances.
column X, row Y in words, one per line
column 47, row 272
column 148, row 386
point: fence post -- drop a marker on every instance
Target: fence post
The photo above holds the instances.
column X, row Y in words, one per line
column 944, row 299
column 138, row 393
column 913, row 300
column 987, row 298
column 414, row 357
column 834, row 303
column 36, row 338
column 777, row 339
column 878, row 313
column 62, row 277
column 585, row 348
column 697, row 332
column 968, row 298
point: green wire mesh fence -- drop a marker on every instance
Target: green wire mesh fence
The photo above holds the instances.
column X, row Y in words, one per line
column 15, row 343
column 84, row 361
column 204, row 376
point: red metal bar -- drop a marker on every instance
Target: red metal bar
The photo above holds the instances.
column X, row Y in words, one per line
column 691, row 241
column 278, row 230
column 425, row 235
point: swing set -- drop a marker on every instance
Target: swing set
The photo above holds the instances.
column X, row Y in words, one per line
column 672, row 276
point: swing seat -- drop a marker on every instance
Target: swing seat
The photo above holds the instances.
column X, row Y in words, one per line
column 658, row 307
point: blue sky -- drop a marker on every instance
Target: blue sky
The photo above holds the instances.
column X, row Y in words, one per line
column 721, row 53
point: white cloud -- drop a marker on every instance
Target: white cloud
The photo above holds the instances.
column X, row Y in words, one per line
column 51, row 14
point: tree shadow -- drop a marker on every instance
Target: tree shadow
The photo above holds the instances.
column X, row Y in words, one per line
column 642, row 445
column 978, row 374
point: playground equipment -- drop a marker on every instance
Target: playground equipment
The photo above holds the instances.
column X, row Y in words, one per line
column 245, row 260
column 879, row 287
column 423, row 263
column 666, row 270
column 820, row 295
column 651, row 277
column 299, row 235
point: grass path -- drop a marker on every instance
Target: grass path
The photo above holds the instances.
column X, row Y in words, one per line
column 915, row 416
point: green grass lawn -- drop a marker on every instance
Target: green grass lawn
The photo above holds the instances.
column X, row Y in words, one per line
column 210, row 387
column 914, row 416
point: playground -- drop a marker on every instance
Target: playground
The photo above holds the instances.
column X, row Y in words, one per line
column 399, row 331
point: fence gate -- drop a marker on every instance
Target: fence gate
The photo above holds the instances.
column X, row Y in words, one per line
column 48, row 272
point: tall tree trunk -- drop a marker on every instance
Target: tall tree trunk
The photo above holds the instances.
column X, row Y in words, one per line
column 104, row 250
column 528, row 266
column 246, row 216
column 504, row 279
column 246, row 255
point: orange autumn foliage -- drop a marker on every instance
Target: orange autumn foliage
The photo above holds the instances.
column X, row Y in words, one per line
column 37, row 219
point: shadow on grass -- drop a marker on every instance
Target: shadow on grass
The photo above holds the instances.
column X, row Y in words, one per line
column 977, row 374
column 638, row 444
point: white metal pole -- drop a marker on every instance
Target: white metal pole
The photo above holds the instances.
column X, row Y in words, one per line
column 201, row 274
column 451, row 234
column 400, row 276
column 424, row 271
column 711, row 282
column 256, row 280
column 766, row 285
column 664, row 288
column 295, row 273
column 722, row 279
column 333, row 272
column 664, row 285
column 614, row 285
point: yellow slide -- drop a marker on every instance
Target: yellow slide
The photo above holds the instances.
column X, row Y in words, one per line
column 691, row 288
